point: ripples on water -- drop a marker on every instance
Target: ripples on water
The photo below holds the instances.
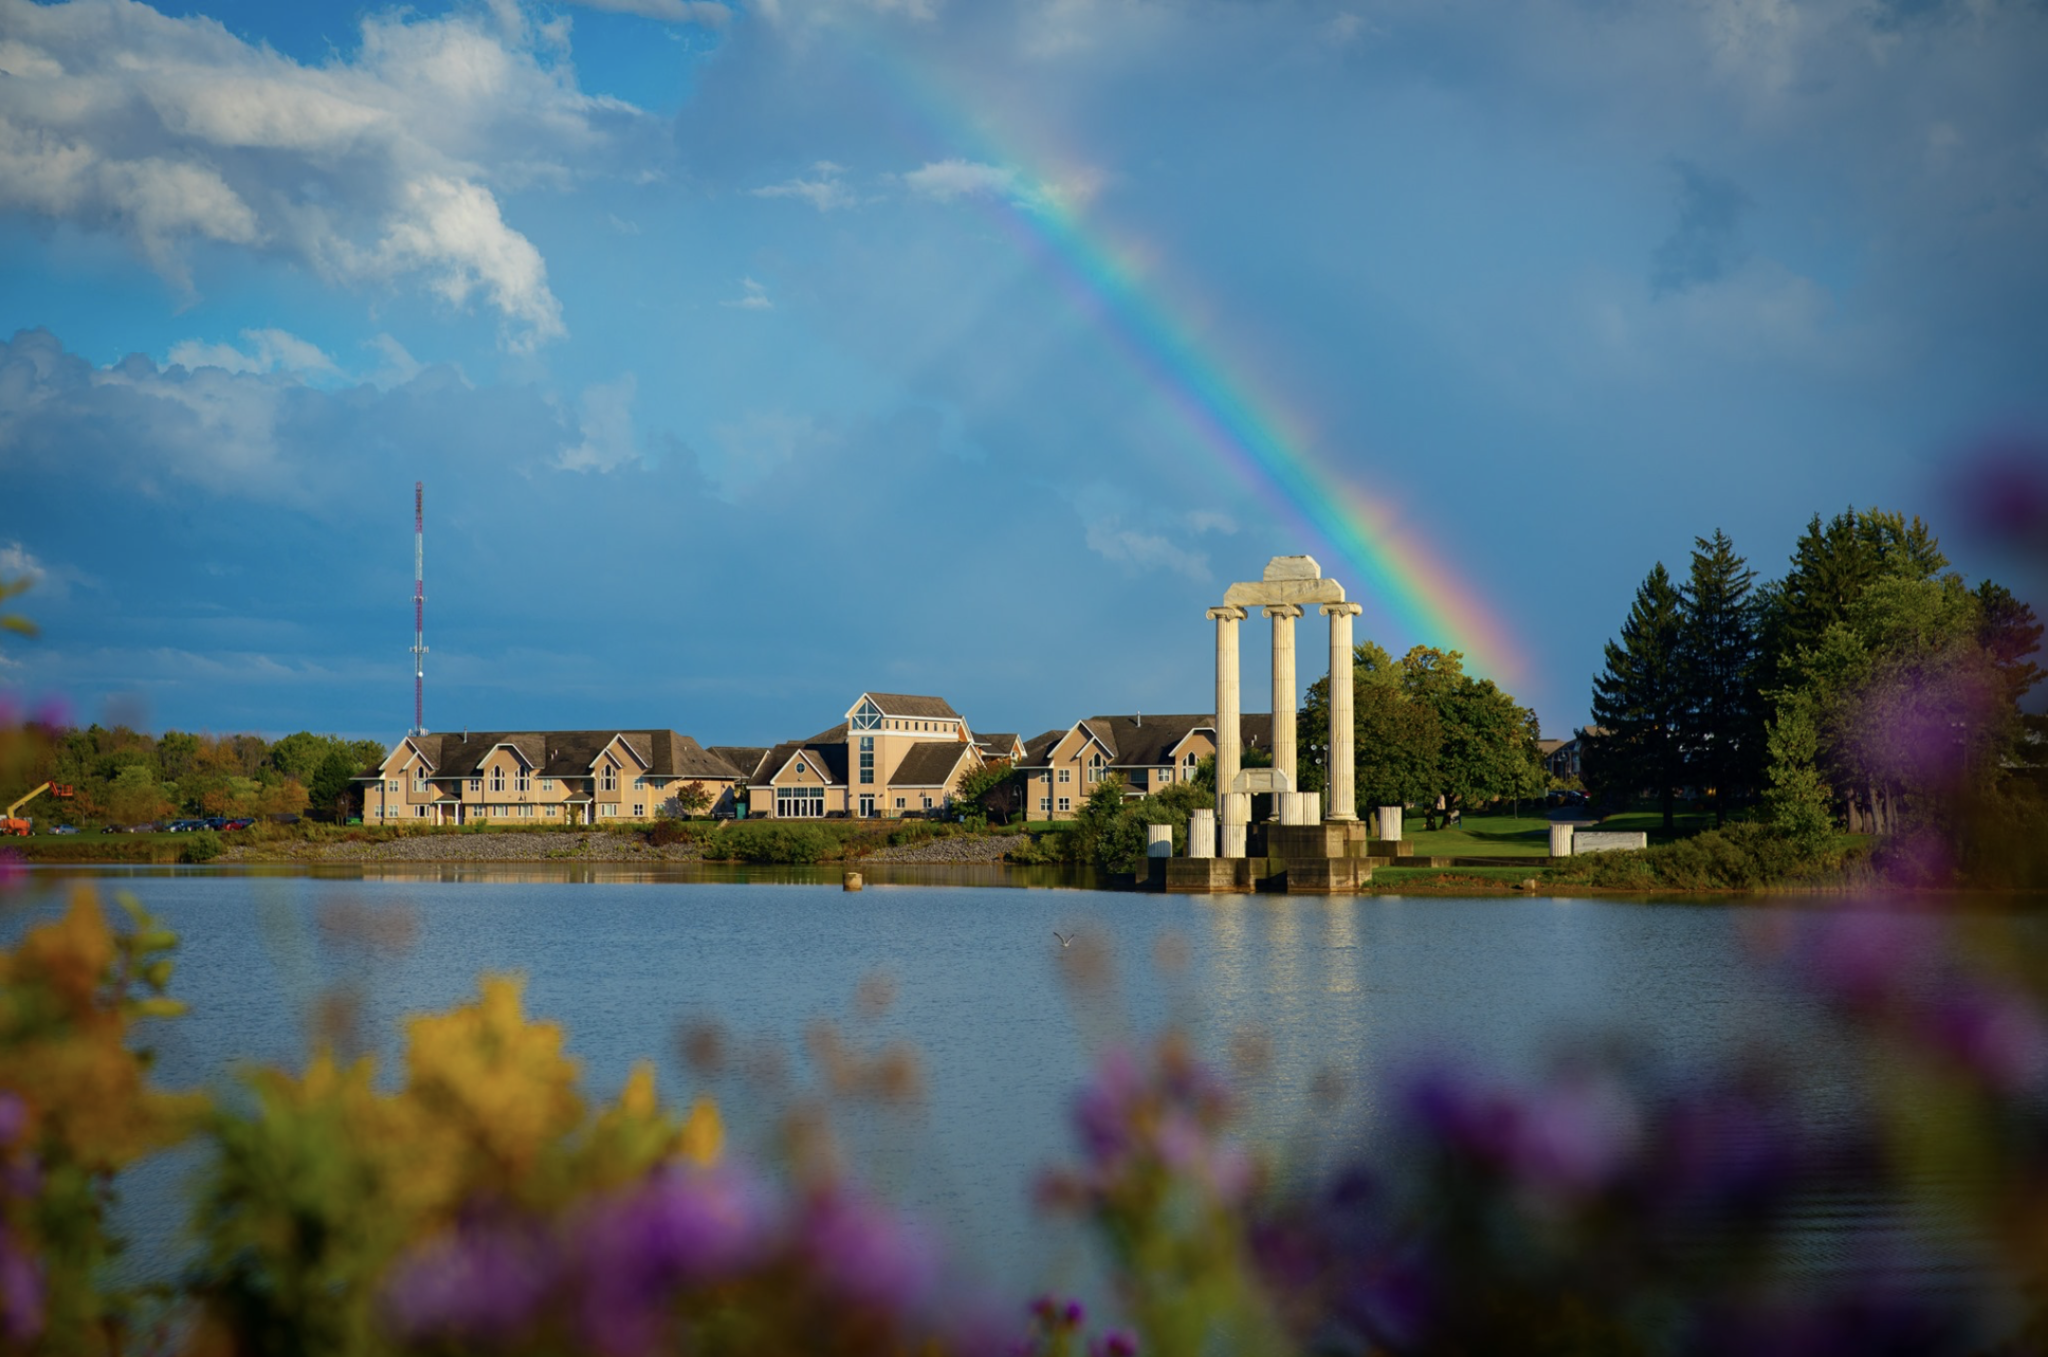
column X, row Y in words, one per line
column 1357, row 986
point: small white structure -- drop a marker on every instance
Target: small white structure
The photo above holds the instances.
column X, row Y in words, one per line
column 1202, row 833
column 1390, row 822
column 1609, row 841
column 1560, row 840
column 1158, row 841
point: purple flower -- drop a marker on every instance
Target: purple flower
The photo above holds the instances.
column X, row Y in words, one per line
column 1102, row 1113
column 1995, row 1033
column 21, row 1291
column 481, row 1283
column 13, row 869
column 1573, row 1136
column 1115, row 1343
column 53, row 713
column 868, row 1253
column 13, row 1117
column 1862, row 957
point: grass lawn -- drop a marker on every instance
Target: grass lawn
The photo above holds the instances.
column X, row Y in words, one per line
column 1483, row 836
column 1451, row 879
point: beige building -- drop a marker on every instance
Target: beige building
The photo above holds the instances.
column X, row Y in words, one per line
column 1062, row 768
column 895, row 755
column 540, row 777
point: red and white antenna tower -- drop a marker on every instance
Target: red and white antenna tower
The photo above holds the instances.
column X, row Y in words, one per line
column 419, row 607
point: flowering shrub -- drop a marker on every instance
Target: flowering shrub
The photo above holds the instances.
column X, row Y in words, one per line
column 482, row 1205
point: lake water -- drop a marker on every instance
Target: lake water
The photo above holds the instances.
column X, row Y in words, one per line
column 981, row 989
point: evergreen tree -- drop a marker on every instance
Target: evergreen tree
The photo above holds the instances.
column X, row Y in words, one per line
column 1832, row 565
column 1639, row 702
column 1718, row 645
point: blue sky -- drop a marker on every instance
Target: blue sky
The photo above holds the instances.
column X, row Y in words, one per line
column 733, row 397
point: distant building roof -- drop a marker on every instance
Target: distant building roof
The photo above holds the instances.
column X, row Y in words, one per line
column 928, row 764
column 909, row 704
column 570, row 753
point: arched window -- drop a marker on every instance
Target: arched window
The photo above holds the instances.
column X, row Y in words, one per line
column 497, row 779
column 610, row 778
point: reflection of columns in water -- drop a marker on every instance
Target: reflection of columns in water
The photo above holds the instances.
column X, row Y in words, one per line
column 1285, row 694
column 1342, row 802
column 1227, row 734
column 1340, row 946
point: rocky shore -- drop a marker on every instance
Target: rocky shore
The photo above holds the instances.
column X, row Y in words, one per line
column 535, row 847
column 957, row 848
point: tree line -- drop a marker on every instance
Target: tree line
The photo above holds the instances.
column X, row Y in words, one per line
column 1870, row 688
column 124, row 776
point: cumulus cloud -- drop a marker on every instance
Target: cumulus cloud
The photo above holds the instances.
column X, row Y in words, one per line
column 801, row 13
column 368, row 169
column 753, row 297
column 606, row 426
column 52, row 583
column 264, row 351
column 946, row 180
column 668, row 11
column 1109, row 539
column 826, row 191
column 1706, row 243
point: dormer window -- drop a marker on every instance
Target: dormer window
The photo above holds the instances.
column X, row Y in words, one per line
column 867, row 716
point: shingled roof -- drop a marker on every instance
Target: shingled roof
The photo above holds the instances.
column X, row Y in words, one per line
column 827, row 757
column 908, row 704
column 571, row 753
column 929, row 763
column 1137, row 741
column 745, row 758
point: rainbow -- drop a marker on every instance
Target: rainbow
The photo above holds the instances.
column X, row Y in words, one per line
column 1246, row 433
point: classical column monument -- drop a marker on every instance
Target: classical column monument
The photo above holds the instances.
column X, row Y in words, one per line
column 1309, row 844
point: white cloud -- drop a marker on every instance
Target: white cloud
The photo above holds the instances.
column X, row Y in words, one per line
column 807, row 13
column 753, row 298
column 946, row 180
column 366, row 169
column 398, row 367
column 826, row 192
column 606, row 427
column 1109, row 539
column 668, row 11
column 266, row 351
column 1211, row 520
column 51, row 584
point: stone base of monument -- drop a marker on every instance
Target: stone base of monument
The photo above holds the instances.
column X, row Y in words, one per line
column 1391, row 848
column 1315, row 876
column 1201, row 876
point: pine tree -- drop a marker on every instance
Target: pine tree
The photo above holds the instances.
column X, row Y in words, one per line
column 1718, row 648
column 1640, row 700
column 1832, row 565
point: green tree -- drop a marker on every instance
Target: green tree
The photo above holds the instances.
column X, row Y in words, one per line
column 1717, row 654
column 1486, row 748
column 329, row 789
column 1396, row 740
column 1832, row 564
column 2009, row 633
column 990, row 792
column 1639, row 701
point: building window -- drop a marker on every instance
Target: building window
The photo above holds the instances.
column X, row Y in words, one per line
column 800, row 803
column 497, row 779
column 1166, row 774
column 927, row 803
column 867, row 760
column 639, row 810
column 899, row 803
column 523, row 781
column 639, row 784
column 420, row 811
column 1066, row 804
column 394, row 786
column 867, row 716
column 526, row 811
column 547, row 784
column 476, row 784
column 867, row 807
column 1095, row 767
column 1066, row 776
column 609, row 780
column 551, row 812
column 419, row 779
column 1045, row 804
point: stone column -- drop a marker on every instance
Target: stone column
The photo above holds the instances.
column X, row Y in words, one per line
column 1561, row 840
column 1284, row 692
column 1233, row 841
column 1158, row 841
column 1202, row 834
column 1390, row 822
column 1228, row 748
column 1343, row 780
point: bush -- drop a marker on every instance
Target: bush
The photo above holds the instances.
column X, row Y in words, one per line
column 201, row 845
column 773, row 841
column 1743, row 855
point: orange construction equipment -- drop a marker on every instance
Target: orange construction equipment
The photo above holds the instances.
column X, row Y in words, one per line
column 12, row 824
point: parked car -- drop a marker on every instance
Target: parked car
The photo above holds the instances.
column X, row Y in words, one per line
column 215, row 822
column 185, row 826
column 237, row 824
column 64, row 829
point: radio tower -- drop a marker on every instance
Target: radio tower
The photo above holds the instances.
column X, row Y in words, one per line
column 419, row 607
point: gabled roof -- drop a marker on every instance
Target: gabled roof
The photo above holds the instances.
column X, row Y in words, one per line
column 907, row 704
column 570, row 753
column 1038, row 749
column 744, row 760
column 930, row 763
column 1001, row 745
column 827, row 758
column 1148, row 741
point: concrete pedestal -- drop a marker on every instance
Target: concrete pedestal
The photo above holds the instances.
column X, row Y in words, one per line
column 1202, row 834
column 1390, row 823
column 1233, row 840
column 1561, row 841
column 1158, row 841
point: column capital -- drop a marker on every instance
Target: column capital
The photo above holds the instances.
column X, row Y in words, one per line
column 1283, row 610
column 1342, row 609
column 1229, row 612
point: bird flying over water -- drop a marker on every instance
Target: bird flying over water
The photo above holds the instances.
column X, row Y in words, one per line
column 1064, row 941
